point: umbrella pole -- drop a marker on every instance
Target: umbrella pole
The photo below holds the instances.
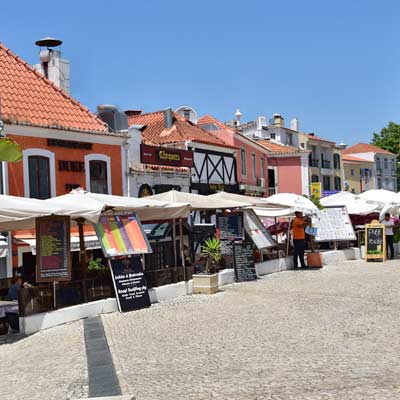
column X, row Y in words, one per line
column 82, row 250
column 182, row 249
column 174, row 241
column 287, row 238
column 276, row 237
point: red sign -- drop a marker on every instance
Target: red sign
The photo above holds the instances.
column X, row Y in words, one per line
column 165, row 156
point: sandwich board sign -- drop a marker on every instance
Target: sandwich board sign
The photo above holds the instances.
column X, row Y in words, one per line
column 375, row 241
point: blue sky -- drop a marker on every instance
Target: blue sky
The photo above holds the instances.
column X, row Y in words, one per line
column 333, row 64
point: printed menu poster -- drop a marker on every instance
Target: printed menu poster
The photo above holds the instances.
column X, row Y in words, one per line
column 53, row 254
column 121, row 234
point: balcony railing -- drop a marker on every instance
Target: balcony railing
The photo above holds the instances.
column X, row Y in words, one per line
column 314, row 162
column 326, row 164
column 272, row 191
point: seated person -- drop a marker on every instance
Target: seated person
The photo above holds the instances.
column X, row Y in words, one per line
column 14, row 289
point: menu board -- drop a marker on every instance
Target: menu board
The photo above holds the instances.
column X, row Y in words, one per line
column 375, row 243
column 243, row 261
column 230, row 226
column 333, row 224
column 120, row 234
column 53, row 253
column 257, row 232
column 129, row 283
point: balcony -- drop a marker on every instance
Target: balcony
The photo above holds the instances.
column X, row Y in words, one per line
column 326, row 164
column 379, row 171
column 314, row 162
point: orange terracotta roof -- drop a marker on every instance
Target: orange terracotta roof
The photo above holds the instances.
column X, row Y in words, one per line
column 365, row 148
column 28, row 98
column 319, row 139
column 279, row 148
column 350, row 158
column 209, row 119
column 155, row 132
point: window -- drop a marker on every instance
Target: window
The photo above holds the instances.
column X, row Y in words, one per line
column 262, row 161
column 385, row 163
column 98, row 176
column 186, row 114
column 352, row 172
column 39, row 177
column 326, row 183
column 243, row 160
column 336, row 161
column 379, row 183
column 302, row 145
column 378, row 163
column 315, row 178
column 253, row 164
column 272, row 135
column 289, row 138
column 338, row 185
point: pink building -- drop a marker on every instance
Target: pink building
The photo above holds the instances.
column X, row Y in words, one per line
column 251, row 158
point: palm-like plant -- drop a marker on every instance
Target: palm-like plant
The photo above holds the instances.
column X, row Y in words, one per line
column 211, row 249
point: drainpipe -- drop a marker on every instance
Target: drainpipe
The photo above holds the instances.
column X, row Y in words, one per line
column 128, row 168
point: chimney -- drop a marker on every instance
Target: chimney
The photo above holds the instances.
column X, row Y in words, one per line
column 168, row 118
column 238, row 115
column 342, row 145
column 279, row 120
column 117, row 120
column 52, row 66
column 131, row 113
column 294, row 124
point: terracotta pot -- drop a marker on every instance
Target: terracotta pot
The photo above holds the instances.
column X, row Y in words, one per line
column 314, row 260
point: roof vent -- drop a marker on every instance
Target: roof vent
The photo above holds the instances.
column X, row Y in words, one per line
column 116, row 119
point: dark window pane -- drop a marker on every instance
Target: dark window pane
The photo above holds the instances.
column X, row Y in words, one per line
column 98, row 177
column 39, row 177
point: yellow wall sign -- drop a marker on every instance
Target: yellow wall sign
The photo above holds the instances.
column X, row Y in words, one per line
column 316, row 189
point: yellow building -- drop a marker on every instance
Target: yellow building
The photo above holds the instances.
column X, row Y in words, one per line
column 358, row 173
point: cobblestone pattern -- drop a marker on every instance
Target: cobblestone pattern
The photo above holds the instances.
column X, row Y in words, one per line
column 48, row 365
column 328, row 334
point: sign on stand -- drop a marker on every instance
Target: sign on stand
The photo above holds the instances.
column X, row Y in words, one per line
column 53, row 249
column 375, row 241
column 230, row 227
column 129, row 283
column 243, row 261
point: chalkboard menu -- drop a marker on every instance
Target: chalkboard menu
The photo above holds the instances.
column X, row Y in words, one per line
column 129, row 283
column 226, row 247
column 230, row 226
column 243, row 261
column 53, row 252
column 375, row 241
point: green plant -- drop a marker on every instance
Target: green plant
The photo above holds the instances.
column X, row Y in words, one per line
column 317, row 203
column 96, row 265
column 212, row 249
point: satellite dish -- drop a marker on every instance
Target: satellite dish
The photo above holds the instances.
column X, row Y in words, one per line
column 48, row 42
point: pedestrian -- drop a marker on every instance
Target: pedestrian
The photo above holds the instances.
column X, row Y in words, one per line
column 299, row 244
column 389, row 224
column 14, row 289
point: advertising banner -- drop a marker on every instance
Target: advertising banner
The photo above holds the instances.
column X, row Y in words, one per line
column 165, row 156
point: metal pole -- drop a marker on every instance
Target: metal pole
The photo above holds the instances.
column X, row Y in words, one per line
column 182, row 248
column 174, row 241
column 287, row 238
column 54, row 295
column 82, row 250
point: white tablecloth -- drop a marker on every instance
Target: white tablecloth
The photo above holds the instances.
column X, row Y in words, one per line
column 8, row 306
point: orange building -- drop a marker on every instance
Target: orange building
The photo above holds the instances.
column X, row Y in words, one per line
column 63, row 144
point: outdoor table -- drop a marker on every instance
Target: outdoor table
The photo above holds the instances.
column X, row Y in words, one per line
column 8, row 306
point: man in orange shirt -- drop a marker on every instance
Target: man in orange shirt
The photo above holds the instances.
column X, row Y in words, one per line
column 299, row 236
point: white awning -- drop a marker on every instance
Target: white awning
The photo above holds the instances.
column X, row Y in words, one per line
column 91, row 243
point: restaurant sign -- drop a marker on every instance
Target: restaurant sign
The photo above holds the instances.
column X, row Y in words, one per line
column 53, row 249
column 165, row 156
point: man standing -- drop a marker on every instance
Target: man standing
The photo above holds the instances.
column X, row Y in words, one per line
column 389, row 224
column 299, row 236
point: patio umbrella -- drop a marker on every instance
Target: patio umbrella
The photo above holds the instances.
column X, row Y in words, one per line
column 381, row 196
column 353, row 203
column 294, row 201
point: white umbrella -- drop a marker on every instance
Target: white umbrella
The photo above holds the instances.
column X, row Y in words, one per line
column 294, row 201
column 380, row 196
column 353, row 203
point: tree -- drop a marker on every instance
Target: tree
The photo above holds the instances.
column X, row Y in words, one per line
column 389, row 139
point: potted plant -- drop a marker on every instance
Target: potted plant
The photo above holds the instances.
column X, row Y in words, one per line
column 96, row 268
column 207, row 282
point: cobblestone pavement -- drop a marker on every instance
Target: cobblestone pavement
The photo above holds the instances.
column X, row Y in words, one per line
column 328, row 334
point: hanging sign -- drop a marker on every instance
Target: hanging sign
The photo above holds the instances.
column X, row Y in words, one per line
column 165, row 156
column 243, row 261
column 121, row 233
column 53, row 252
column 375, row 241
column 129, row 283
column 316, row 189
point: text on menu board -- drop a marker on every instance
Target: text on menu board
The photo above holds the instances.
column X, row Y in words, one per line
column 243, row 261
column 129, row 283
column 230, row 226
column 120, row 234
column 53, row 256
column 375, row 241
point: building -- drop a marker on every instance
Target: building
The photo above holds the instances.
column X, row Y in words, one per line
column 63, row 144
column 214, row 163
column 251, row 158
column 384, row 164
column 287, row 161
column 359, row 174
column 325, row 162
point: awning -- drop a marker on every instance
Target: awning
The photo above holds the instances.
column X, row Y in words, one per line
column 3, row 248
column 91, row 243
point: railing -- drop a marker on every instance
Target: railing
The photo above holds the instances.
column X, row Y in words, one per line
column 326, row 164
column 379, row 171
column 272, row 191
column 314, row 162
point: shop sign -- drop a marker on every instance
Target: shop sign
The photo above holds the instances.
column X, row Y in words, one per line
column 70, row 144
column 316, row 190
column 120, row 234
column 230, row 226
column 129, row 283
column 165, row 156
column 53, row 249
column 375, row 241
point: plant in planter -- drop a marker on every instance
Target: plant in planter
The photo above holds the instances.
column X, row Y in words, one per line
column 207, row 282
column 96, row 268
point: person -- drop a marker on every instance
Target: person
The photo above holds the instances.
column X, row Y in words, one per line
column 389, row 224
column 13, row 290
column 298, row 225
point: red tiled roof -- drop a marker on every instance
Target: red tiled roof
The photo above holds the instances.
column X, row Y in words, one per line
column 319, row 139
column 350, row 158
column 28, row 98
column 278, row 148
column 365, row 148
column 208, row 119
column 182, row 130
